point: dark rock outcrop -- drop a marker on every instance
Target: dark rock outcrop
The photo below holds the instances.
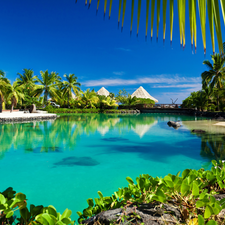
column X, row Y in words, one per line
column 149, row 214
column 173, row 124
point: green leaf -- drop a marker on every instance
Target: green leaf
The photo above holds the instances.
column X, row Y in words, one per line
column 185, row 173
column 200, row 204
column 201, row 220
column 79, row 214
column 212, row 222
column 48, row 218
column 184, row 188
column 9, row 214
column 67, row 213
column 208, row 212
column 66, row 220
column 214, row 162
column 100, row 194
column 129, row 180
column 25, row 213
column 161, row 196
column 90, row 202
column 195, row 189
column 222, row 201
column 52, row 210
column 2, row 199
column 20, row 197
column 59, row 223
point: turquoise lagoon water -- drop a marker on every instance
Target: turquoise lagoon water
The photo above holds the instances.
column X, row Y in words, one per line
column 66, row 161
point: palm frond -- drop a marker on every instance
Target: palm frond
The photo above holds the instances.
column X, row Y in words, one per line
column 214, row 9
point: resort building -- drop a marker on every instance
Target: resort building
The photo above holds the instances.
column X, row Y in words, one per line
column 142, row 93
column 103, row 91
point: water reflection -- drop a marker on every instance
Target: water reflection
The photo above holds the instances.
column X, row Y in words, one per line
column 48, row 136
column 212, row 141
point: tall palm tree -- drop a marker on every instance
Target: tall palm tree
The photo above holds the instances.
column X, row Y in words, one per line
column 213, row 9
column 215, row 76
column 3, row 82
column 14, row 93
column 48, row 84
column 70, row 85
column 27, row 77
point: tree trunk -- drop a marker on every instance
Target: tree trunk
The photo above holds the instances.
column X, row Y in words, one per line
column 0, row 104
column 12, row 107
column 218, row 102
column 68, row 100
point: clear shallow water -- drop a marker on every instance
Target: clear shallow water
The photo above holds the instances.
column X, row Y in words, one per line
column 66, row 161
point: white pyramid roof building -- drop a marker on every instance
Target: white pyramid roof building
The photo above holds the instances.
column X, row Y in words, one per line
column 142, row 93
column 103, row 91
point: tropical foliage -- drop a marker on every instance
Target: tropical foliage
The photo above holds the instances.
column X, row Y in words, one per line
column 212, row 95
column 213, row 9
column 10, row 202
column 48, row 87
column 192, row 192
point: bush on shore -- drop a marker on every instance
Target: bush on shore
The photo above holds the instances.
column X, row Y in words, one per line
column 193, row 193
column 50, row 109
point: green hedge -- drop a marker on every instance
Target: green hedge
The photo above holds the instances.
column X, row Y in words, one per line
column 50, row 109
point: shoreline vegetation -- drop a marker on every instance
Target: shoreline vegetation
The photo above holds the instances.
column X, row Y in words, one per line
column 190, row 197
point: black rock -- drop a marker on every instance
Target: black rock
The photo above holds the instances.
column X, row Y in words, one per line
column 198, row 131
column 173, row 124
column 150, row 214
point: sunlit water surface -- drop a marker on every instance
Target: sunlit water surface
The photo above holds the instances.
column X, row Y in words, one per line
column 66, row 161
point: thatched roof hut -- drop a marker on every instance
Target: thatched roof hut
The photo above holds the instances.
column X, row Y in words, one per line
column 103, row 91
column 142, row 93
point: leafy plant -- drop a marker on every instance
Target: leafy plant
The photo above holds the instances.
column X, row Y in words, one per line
column 192, row 192
column 10, row 202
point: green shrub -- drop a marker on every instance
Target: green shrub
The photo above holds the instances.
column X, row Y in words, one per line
column 213, row 108
column 10, row 202
column 192, row 192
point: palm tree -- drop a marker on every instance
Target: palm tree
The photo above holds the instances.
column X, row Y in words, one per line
column 27, row 78
column 89, row 98
column 215, row 76
column 131, row 100
column 3, row 82
column 14, row 93
column 48, row 85
column 70, row 85
column 212, row 9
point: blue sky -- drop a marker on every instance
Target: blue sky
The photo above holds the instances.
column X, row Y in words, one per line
column 65, row 37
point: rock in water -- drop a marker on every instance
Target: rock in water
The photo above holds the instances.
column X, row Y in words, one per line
column 173, row 124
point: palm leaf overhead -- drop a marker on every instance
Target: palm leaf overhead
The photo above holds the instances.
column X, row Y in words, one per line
column 138, row 15
column 110, row 8
column 202, row 14
column 222, row 2
column 171, row 19
column 105, row 5
column 158, row 17
column 132, row 16
column 120, row 6
column 147, row 10
column 152, row 16
column 211, row 19
column 124, row 9
column 164, row 19
column 213, row 9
